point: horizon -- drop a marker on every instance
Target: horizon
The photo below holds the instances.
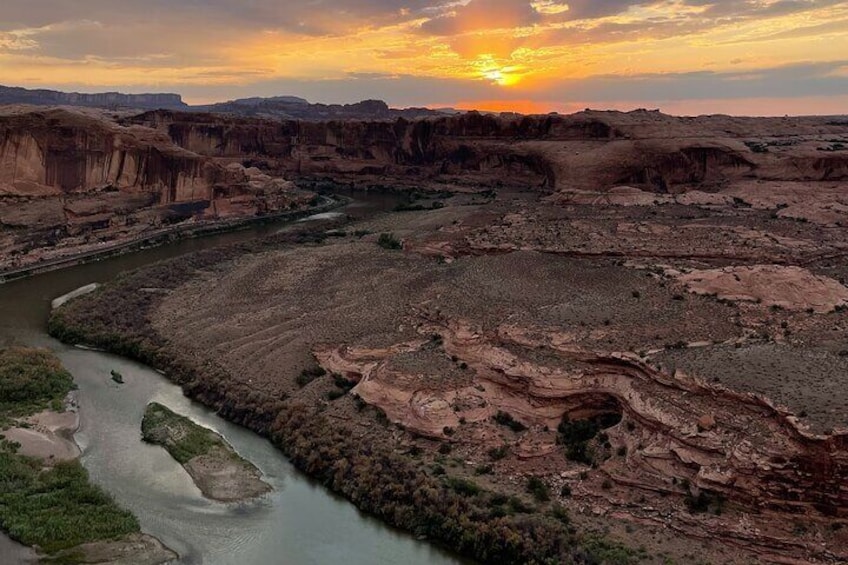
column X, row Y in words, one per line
column 685, row 57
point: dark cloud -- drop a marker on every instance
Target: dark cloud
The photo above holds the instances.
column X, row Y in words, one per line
column 317, row 16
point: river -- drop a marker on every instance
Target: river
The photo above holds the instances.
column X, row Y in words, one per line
column 299, row 523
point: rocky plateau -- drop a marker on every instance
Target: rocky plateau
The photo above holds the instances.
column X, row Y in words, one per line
column 647, row 314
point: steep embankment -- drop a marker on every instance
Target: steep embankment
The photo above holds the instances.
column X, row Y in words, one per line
column 588, row 151
column 70, row 181
column 74, row 181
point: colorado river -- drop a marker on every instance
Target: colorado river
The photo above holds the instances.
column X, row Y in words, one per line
column 298, row 523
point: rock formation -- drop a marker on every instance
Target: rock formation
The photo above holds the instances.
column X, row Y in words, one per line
column 590, row 152
column 72, row 180
column 114, row 100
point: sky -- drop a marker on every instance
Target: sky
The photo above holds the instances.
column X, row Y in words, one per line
column 688, row 57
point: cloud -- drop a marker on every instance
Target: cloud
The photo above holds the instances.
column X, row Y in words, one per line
column 417, row 52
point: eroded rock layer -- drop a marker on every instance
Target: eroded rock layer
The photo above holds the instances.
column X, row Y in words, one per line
column 73, row 181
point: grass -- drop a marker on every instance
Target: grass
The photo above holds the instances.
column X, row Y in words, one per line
column 31, row 380
column 53, row 508
column 56, row 508
column 183, row 439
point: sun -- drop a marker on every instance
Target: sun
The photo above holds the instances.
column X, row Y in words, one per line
column 502, row 77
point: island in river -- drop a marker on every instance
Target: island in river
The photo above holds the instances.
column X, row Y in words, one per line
column 46, row 499
column 218, row 471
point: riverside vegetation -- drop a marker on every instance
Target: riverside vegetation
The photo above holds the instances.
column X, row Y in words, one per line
column 428, row 501
column 51, row 508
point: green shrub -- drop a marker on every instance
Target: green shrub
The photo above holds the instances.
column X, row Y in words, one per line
column 506, row 419
column 56, row 508
column 389, row 241
column 538, row 489
column 183, row 439
column 31, row 380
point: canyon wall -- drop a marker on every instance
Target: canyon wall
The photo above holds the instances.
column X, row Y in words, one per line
column 42, row 97
column 74, row 178
column 71, row 181
column 588, row 151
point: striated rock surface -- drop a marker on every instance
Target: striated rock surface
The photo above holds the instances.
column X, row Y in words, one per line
column 792, row 288
column 589, row 151
column 74, row 181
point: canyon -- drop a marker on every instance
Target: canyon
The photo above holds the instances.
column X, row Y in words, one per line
column 633, row 318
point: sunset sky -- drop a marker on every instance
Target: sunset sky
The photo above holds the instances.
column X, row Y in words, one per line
column 682, row 56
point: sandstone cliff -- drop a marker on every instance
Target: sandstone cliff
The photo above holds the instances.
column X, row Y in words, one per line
column 69, row 180
column 589, row 151
column 41, row 97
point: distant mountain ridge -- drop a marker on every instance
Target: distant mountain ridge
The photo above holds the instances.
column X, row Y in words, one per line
column 43, row 97
column 276, row 107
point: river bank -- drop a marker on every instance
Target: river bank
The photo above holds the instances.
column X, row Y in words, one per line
column 46, row 500
column 164, row 236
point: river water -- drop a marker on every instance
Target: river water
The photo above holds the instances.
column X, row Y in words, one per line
column 298, row 523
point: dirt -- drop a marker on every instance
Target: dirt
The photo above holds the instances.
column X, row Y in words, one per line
column 136, row 549
column 222, row 477
column 48, row 435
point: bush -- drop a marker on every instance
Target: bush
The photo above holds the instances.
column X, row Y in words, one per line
column 577, row 435
column 389, row 241
column 306, row 376
column 465, row 487
column 506, row 419
column 31, row 380
column 538, row 489
column 56, row 508
column 498, row 453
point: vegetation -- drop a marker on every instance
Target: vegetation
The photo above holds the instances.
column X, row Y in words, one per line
column 538, row 489
column 31, row 380
column 308, row 375
column 56, row 508
column 183, row 439
column 577, row 435
column 53, row 508
column 389, row 241
column 498, row 453
column 506, row 419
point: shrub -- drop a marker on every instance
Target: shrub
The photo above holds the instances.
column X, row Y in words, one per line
column 538, row 489
column 465, row 487
column 56, row 508
column 506, row 419
column 498, row 453
column 31, row 380
column 306, row 376
column 389, row 241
